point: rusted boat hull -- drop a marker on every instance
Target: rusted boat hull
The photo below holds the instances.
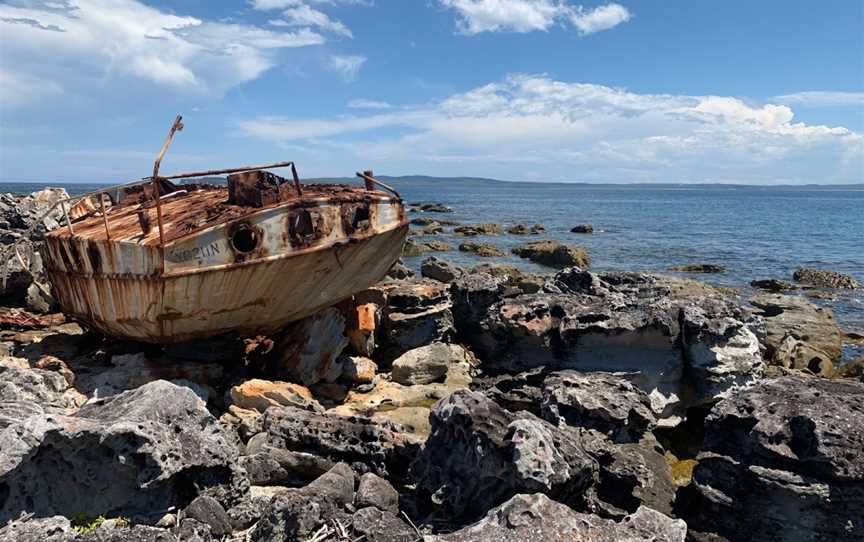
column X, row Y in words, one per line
column 257, row 298
column 221, row 263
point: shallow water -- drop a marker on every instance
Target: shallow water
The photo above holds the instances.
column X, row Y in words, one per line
column 754, row 232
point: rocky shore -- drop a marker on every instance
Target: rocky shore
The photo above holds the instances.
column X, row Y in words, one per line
column 467, row 404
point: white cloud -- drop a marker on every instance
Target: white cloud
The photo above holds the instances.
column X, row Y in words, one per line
column 477, row 16
column 363, row 103
column 305, row 16
column 600, row 18
column 87, row 44
column 822, row 98
column 346, row 66
column 575, row 131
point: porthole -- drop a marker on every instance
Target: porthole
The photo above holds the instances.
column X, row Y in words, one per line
column 245, row 240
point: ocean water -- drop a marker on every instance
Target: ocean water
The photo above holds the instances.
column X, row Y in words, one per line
column 754, row 232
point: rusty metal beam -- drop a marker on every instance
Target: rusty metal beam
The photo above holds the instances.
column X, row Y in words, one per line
column 226, row 171
column 296, row 181
column 104, row 216
column 371, row 179
column 178, row 125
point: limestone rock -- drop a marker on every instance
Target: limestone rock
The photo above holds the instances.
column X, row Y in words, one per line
column 399, row 271
column 257, row 394
column 485, row 250
column 208, row 511
column 786, row 448
column 582, row 228
column 537, row 517
column 604, row 402
column 418, row 313
column 522, row 229
column 368, row 445
column 799, row 335
column 479, row 229
column 142, row 450
column 698, row 268
column 553, row 254
column 449, row 363
column 375, row 525
column 441, row 270
column 376, row 491
column 825, row 278
column 721, row 350
column 358, row 369
column 298, row 513
column 478, row 455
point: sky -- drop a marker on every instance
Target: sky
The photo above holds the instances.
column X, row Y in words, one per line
column 675, row 91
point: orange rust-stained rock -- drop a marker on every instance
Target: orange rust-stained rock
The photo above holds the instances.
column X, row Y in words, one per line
column 257, row 394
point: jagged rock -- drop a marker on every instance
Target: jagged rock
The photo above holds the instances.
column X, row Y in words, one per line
column 479, row 229
column 537, row 517
column 604, row 402
column 298, row 513
column 128, row 455
column 721, row 350
column 523, row 229
column 473, row 293
column 430, row 208
column 376, row 491
column 21, row 384
column 368, row 445
column 48, row 529
column 358, row 369
column 484, row 250
column 553, row 254
column 257, row 394
column 399, row 271
column 582, row 228
column 418, row 313
column 273, row 466
column 307, row 351
column 526, row 283
column 799, row 335
column 825, row 278
column 432, row 229
column 208, row 511
column 773, row 285
column 438, row 246
column 698, row 268
column 375, row 525
column 436, row 362
column 852, row 369
column 407, row 406
column 441, row 270
column 786, row 448
column 516, row 392
column 478, row 455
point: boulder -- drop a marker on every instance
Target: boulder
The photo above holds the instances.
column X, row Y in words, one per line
column 773, row 285
column 376, row 491
column 698, row 268
column 537, row 517
column 606, row 403
column 799, row 335
column 786, row 448
column 582, row 228
column 358, row 369
column 825, row 278
column 399, row 271
column 368, row 445
column 432, row 229
column 418, row 313
column 485, row 250
column 440, row 270
column 522, row 229
column 208, row 511
column 375, row 525
column 436, row 362
column 129, row 455
column 297, row 514
column 39, row 387
column 553, row 254
column 478, row 229
column 478, row 455
column 722, row 351
column 257, row 394
column 432, row 207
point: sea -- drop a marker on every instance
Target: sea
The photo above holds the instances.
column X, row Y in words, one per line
column 755, row 232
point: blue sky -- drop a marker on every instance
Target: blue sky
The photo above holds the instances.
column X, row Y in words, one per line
column 549, row 90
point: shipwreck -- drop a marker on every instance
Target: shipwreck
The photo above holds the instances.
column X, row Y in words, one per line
column 164, row 262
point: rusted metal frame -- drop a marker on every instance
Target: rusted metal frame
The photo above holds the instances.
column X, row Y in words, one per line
column 178, row 125
column 371, row 179
column 296, row 180
column 225, row 171
column 104, row 216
